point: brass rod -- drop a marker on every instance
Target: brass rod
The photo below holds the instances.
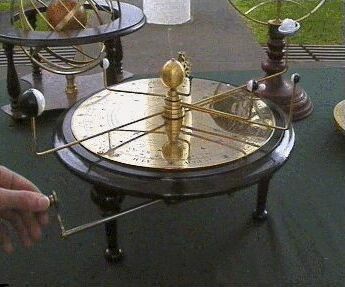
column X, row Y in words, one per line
column 135, row 92
column 96, row 135
column 34, row 133
column 246, row 16
column 66, row 233
column 41, row 14
column 257, row 6
column 214, row 141
column 64, row 70
column 131, row 140
column 232, row 91
column 317, row 7
column 94, row 8
column 139, row 131
column 71, row 14
column 71, row 62
column 222, row 136
column 231, row 116
column 24, row 15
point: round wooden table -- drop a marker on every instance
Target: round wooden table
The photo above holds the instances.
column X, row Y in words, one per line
column 113, row 181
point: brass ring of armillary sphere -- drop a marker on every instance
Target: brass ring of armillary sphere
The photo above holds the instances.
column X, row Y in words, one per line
column 29, row 15
column 279, row 9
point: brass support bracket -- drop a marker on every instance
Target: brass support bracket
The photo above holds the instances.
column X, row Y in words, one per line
column 54, row 202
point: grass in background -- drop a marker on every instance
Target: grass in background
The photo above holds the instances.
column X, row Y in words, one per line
column 5, row 5
column 323, row 27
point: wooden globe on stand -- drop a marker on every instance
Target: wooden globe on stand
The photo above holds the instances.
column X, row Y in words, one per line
column 278, row 89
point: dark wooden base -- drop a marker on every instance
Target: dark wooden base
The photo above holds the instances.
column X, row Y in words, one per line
column 53, row 88
column 280, row 91
column 8, row 110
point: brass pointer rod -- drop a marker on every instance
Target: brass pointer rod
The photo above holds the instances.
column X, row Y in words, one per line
column 230, row 116
column 135, row 92
column 222, row 136
column 80, row 228
column 132, row 139
column 95, row 135
column 224, row 95
column 214, row 141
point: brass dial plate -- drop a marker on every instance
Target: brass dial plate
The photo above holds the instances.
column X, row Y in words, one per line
column 204, row 140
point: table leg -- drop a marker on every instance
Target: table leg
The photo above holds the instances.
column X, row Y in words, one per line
column 260, row 213
column 36, row 70
column 114, row 53
column 109, row 203
column 13, row 85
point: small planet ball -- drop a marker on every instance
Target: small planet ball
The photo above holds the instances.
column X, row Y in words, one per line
column 66, row 15
column 31, row 103
column 172, row 74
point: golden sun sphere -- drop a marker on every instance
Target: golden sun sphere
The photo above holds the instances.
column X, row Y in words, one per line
column 172, row 74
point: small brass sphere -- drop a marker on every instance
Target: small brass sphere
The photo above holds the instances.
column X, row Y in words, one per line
column 172, row 74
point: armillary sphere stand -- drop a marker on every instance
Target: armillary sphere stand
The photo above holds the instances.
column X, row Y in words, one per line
column 180, row 146
column 278, row 89
column 131, row 20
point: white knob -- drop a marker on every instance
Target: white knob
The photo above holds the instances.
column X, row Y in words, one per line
column 261, row 87
column 31, row 103
column 289, row 27
column 295, row 78
column 105, row 63
column 252, row 86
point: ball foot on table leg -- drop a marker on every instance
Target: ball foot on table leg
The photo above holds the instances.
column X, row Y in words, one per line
column 113, row 255
column 260, row 216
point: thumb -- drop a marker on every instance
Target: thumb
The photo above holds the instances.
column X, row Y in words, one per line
column 23, row 200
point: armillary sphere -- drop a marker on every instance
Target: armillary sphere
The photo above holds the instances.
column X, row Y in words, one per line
column 291, row 12
column 64, row 18
column 168, row 139
column 299, row 10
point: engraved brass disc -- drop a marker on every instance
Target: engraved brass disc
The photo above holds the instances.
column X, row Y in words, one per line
column 339, row 115
column 202, row 140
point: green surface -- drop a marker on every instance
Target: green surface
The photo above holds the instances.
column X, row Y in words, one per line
column 325, row 27
column 5, row 6
column 204, row 242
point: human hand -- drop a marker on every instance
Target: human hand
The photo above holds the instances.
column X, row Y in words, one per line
column 22, row 206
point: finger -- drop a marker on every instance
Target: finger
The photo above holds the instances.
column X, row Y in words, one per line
column 23, row 200
column 6, row 239
column 12, row 180
column 18, row 224
column 43, row 218
column 32, row 225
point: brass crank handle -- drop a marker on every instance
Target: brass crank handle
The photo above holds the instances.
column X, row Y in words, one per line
column 54, row 203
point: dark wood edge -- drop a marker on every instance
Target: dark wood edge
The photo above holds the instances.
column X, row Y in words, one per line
column 12, row 35
column 167, row 184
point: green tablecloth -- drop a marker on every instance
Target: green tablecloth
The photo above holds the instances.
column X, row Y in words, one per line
column 210, row 242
